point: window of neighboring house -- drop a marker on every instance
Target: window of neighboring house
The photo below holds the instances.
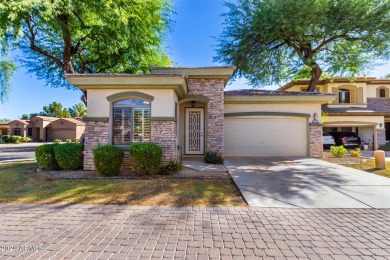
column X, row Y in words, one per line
column 344, row 96
column 29, row 131
column 315, row 90
column 17, row 131
column 131, row 121
column 382, row 92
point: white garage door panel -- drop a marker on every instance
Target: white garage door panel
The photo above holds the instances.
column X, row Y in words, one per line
column 265, row 137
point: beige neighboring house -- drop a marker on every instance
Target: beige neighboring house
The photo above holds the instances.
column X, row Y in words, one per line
column 47, row 129
column 361, row 106
column 4, row 127
column 187, row 112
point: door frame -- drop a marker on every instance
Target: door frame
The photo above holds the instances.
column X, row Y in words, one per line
column 185, row 131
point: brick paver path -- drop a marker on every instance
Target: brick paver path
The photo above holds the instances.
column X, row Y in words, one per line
column 124, row 232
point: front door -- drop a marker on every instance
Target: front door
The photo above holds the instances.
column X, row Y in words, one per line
column 194, row 140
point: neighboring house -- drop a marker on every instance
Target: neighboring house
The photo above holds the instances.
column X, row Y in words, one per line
column 4, row 127
column 361, row 106
column 47, row 129
column 187, row 112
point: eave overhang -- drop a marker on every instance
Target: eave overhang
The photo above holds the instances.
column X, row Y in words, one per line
column 322, row 99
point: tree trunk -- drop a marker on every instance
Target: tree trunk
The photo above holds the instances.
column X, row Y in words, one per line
column 315, row 78
column 84, row 97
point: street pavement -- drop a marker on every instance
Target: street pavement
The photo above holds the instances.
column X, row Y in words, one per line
column 29, row 231
column 306, row 183
column 17, row 152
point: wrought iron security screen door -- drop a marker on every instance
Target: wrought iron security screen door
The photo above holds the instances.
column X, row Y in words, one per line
column 194, row 131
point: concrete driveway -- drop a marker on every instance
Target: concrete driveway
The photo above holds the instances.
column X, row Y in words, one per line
column 306, row 183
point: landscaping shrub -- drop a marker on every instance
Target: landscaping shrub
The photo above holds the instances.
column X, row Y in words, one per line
column 356, row 153
column 45, row 157
column 171, row 168
column 77, row 141
column 15, row 139
column 385, row 147
column 25, row 139
column 146, row 158
column 57, row 141
column 338, row 151
column 69, row 156
column 213, row 158
column 68, row 141
column 107, row 159
column 5, row 139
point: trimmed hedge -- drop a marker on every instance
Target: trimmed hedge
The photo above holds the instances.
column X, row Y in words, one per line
column 107, row 159
column 69, row 156
column 5, row 139
column 45, row 157
column 15, row 139
column 146, row 158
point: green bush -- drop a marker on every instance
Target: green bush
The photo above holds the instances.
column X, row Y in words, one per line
column 171, row 168
column 45, row 157
column 146, row 158
column 385, row 147
column 57, row 141
column 15, row 139
column 68, row 141
column 356, row 153
column 107, row 159
column 338, row 151
column 69, row 156
column 77, row 141
column 213, row 158
column 5, row 139
column 25, row 139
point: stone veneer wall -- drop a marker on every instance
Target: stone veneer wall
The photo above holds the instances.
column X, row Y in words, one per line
column 381, row 135
column 164, row 133
column 214, row 90
column 315, row 140
column 95, row 133
column 382, row 104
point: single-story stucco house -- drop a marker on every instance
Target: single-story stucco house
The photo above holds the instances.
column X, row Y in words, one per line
column 47, row 129
column 187, row 112
column 4, row 127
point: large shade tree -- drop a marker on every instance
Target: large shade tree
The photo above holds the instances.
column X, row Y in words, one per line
column 89, row 36
column 272, row 41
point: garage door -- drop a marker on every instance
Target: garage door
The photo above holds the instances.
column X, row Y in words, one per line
column 265, row 137
column 63, row 134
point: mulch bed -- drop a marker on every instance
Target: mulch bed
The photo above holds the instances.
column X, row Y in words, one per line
column 346, row 159
column 186, row 173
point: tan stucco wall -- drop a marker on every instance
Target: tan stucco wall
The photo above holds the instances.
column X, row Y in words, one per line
column 305, row 108
column 350, row 119
column 162, row 105
column 372, row 90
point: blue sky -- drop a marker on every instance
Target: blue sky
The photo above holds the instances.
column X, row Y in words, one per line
column 191, row 44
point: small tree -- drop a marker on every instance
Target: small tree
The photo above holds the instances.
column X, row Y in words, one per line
column 271, row 41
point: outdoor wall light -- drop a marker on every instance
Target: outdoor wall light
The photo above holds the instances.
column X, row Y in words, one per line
column 380, row 124
column 192, row 103
column 315, row 118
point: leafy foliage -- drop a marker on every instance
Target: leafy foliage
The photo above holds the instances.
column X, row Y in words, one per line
column 385, row 147
column 5, row 139
column 356, row 153
column 338, row 151
column 146, row 158
column 69, row 156
column 271, row 41
column 57, row 141
column 213, row 158
column 90, row 36
column 15, row 139
column 171, row 168
column 55, row 110
column 107, row 159
column 78, row 110
column 45, row 156
column 7, row 69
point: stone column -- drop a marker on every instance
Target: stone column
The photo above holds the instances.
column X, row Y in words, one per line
column 95, row 133
column 315, row 140
column 381, row 135
column 164, row 133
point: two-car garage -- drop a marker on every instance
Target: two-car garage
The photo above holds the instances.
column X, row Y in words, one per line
column 259, row 136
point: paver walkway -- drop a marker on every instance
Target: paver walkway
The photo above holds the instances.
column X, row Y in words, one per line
column 124, row 232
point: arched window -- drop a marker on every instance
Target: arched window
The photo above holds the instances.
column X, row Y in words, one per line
column 131, row 121
column 344, row 96
column 382, row 92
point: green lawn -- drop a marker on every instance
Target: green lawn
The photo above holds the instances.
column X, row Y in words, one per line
column 369, row 166
column 20, row 183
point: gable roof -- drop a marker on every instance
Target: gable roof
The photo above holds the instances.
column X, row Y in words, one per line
column 76, row 121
